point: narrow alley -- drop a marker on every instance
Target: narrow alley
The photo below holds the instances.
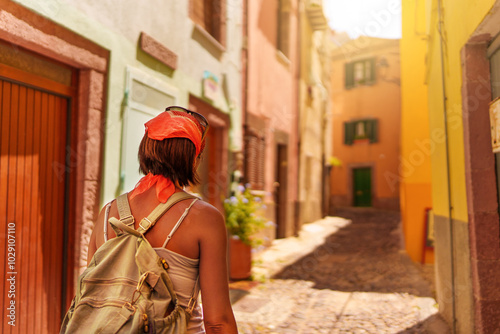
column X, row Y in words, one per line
column 359, row 140
column 356, row 281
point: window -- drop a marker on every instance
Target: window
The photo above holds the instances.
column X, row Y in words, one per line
column 210, row 15
column 283, row 42
column 361, row 131
column 360, row 72
column 254, row 160
column 147, row 98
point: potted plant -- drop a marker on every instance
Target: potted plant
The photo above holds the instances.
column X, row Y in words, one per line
column 242, row 222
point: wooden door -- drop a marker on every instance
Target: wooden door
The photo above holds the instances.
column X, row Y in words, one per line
column 362, row 181
column 32, row 203
column 281, row 190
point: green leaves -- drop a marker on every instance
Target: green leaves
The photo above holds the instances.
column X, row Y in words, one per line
column 241, row 213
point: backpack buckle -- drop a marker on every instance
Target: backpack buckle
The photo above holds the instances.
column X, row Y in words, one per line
column 129, row 217
column 148, row 224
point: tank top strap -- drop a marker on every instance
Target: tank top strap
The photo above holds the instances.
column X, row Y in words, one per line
column 179, row 222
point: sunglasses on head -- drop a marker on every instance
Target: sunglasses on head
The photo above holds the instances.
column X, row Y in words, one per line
column 199, row 117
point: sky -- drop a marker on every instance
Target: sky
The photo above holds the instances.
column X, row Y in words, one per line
column 375, row 18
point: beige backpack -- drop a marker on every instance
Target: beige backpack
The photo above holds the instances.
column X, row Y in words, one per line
column 126, row 287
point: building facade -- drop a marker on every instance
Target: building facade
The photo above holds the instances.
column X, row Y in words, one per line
column 366, row 107
column 416, row 146
column 314, row 107
column 270, row 115
column 79, row 79
column 461, row 72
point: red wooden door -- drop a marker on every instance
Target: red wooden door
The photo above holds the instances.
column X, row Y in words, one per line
column 32, row 205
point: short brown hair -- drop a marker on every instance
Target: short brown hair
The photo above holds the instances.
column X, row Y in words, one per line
column 173, row 158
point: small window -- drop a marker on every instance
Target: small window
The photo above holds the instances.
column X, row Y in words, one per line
column 360, row 72
column 361, row 131
column 283, row 42
column 254, row 160
column 210, row 15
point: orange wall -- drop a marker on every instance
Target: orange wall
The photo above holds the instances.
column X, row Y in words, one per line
column 381, row 101
column 416, row 146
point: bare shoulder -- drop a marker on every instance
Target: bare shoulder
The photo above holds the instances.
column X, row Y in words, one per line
column 205, row 209
column 207, row 216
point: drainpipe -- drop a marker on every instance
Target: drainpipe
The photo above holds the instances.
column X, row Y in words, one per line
column 299, row 144
column 244, row 84
column 450, row 207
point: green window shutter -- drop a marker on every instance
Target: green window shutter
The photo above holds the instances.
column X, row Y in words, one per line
column 372, row 74
column 349, row 131
column 372, row 130
column 349, row 75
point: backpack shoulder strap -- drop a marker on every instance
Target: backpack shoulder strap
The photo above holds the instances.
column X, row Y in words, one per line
column 149, row 221
column 124, row 210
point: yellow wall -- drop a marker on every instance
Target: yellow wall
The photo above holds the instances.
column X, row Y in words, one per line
column 416, row 143
column 422, row 105
column 460, row 20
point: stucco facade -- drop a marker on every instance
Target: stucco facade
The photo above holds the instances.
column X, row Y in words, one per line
column 416, row 145
column 314, row 115
column 461, row 82
column 271, row 110
column 365, row 102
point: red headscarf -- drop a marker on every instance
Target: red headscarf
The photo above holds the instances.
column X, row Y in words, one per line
column 168, row 124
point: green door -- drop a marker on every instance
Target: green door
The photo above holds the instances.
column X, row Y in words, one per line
column 362, row 181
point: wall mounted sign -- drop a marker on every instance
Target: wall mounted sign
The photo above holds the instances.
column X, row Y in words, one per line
column 210, row 86
column 495, row 124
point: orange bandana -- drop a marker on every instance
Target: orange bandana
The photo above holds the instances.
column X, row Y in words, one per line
column 168, row 124
column 173, row 124
column 164, row 186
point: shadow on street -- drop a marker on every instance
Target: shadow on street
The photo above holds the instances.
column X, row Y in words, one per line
column 366, row 256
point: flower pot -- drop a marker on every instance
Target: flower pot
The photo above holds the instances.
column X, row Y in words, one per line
column 240, row 259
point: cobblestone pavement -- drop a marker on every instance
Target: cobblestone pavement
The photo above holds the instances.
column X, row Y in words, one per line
column 340, row 275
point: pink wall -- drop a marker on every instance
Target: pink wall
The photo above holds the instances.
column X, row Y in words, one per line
column 273, row 89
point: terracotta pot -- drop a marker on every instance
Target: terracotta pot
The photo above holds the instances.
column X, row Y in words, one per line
column 240, row 260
